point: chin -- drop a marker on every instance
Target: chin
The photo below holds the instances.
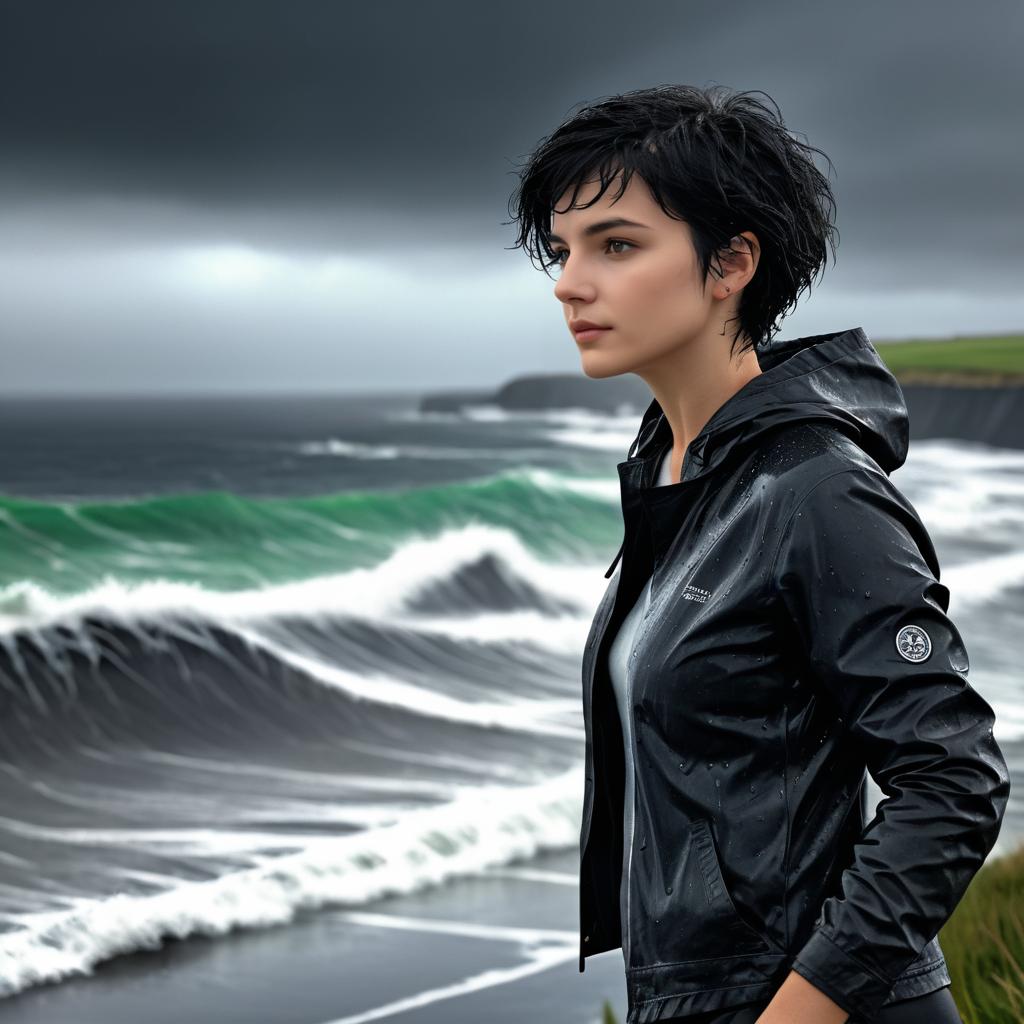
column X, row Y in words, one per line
column 595, row 371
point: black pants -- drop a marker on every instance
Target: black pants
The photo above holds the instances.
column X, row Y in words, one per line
column 936, row 1007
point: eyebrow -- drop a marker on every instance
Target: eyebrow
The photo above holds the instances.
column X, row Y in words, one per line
column 602, row 225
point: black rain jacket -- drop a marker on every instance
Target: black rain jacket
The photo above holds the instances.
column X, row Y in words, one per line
column 797, row 637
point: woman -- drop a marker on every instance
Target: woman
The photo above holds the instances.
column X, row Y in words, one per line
column 776, row 627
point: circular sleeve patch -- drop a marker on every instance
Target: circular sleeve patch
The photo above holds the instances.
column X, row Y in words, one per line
column 913, row 643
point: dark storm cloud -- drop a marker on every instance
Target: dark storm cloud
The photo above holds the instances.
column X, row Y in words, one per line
column 413, row 106
column 421, row 109
column 394, row 129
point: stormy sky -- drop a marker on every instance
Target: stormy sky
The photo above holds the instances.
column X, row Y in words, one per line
column 237, row 195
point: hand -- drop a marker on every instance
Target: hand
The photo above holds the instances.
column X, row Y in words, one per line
column 799, row 1002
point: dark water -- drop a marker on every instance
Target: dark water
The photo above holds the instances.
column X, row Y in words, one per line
column 267, row 654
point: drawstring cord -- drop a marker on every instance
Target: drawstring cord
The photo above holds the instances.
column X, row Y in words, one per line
column 633, row 448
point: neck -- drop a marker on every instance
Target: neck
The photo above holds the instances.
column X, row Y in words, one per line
column 699, row 381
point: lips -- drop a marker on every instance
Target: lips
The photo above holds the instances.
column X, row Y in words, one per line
column 590, row 333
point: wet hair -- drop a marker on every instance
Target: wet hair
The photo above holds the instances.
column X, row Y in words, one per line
column 720, row 160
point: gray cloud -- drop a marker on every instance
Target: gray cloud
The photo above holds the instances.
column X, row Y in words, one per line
column 285, row 139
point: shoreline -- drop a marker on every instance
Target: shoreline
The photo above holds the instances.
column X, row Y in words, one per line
column 502, row 946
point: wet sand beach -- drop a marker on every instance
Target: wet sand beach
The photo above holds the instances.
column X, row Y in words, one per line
column 501, row 948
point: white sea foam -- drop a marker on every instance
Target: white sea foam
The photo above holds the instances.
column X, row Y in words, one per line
column 380, row 592
column 484, row 826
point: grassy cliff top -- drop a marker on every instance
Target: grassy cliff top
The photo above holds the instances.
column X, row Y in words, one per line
column 978, row 361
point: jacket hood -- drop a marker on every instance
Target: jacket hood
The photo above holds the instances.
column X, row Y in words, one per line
column 839, row 378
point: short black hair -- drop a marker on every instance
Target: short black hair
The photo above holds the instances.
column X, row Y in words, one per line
column 718, row 159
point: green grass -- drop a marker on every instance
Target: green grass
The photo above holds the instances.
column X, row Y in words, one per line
column 972, row 358
column 984, row 945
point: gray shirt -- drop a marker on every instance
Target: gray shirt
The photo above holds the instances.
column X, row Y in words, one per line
column 618, row 657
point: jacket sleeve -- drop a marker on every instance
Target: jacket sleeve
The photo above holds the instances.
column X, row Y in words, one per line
column 857, row 575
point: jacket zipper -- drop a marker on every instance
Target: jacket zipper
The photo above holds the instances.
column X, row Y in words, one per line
column 589, row 810
column 632, row 819
column 644, row 435
column 632, row 747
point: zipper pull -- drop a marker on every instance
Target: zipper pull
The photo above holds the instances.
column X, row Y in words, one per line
column 615, row 560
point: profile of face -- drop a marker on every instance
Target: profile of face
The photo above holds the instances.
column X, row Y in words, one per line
column 642, row 281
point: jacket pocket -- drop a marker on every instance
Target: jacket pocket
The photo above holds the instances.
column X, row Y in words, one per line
column 724, row 914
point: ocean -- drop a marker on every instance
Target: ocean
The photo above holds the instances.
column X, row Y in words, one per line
column 264, row 655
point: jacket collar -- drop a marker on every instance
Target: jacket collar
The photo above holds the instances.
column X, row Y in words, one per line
column 837, row 378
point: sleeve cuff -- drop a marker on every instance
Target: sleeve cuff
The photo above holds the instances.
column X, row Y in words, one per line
column 843, row 979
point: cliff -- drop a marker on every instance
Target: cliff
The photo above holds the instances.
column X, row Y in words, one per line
column 986, row 408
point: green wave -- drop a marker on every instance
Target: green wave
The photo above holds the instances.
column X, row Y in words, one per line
column 224, row 541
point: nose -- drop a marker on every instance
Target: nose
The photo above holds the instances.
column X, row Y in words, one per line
column 569, row 287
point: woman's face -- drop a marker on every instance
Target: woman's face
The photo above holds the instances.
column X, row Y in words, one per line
column 642, row 282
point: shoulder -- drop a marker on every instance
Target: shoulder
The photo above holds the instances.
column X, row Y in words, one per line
column 836, row 500
column 800, row 459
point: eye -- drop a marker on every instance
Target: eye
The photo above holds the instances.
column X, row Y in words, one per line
column 620, row 241
column 559, row 253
